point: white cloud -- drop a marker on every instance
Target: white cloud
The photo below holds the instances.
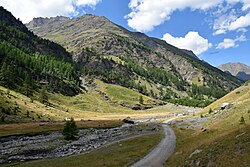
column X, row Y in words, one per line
column 230, row 22
column 26, row 10
column 229, row 43
column 228, row 18
column 87, row 2
column 241, row 22
column 246, row 3
column 220, row 31
column 146, row 14
column 223, row 21
column 192, row 41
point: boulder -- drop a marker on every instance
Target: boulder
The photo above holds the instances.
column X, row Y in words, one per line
column 225, row 106
column 128, row 120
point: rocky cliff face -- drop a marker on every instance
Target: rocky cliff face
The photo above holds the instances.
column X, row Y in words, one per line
column 241, row 71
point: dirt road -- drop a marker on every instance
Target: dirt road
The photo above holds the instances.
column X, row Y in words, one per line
column 158, row 156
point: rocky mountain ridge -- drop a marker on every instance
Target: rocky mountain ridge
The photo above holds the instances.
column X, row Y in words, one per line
column 240, row 70
column 107, row 39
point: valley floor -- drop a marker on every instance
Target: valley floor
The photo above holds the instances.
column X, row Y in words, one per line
column 53, row 145
column 121, row 153
column 208, row 137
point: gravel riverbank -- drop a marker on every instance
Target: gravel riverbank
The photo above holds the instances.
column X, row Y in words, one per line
column 23, row 148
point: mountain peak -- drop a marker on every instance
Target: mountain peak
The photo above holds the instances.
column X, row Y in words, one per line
column 240, row 70
column 36, row 22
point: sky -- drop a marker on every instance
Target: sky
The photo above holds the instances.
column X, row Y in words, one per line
column 217, row 31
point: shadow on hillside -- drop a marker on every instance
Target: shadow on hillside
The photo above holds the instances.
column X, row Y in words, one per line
column 243, row 76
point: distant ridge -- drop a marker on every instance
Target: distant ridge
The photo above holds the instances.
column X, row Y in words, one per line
column 240, row 70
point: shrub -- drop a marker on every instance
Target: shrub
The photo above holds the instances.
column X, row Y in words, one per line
column 70, row 130
column 210, row 111
column 28, row 114
column 242, row 120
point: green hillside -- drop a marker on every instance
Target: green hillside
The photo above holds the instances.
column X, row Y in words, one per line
column 224, row 138
column 136, row 61
column 28, row 63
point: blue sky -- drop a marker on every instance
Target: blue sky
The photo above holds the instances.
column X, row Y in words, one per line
column 216, row 30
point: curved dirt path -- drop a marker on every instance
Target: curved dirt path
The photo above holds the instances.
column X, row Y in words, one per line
column 158, row 156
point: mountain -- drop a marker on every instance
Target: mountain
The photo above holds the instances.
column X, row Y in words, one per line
column 134, row 60
column 28, row 63
column 240, row 70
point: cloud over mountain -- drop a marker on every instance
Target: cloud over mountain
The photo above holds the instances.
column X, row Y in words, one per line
column 192, row 41
column 28, row 9
column 147, row 14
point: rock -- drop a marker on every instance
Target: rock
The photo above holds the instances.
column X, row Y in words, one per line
column 52, row 145
column 240, row 134
column 128, row 120
column 195, row 152
column 225, row 106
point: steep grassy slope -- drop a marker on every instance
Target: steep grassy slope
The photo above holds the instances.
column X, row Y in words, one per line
column 237, row 97
column 225, row 140
column 134, row 60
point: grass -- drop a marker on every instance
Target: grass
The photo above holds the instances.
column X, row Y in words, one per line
column 122, row 153
column 115, row 59
column 86, row 106
column 170, row 108
column 119, row 94
column 32, row 128
column 83, row 106
column 224, row 143
column 229, row 148
column 150, row 87
column 237, row 96
column 197, row 80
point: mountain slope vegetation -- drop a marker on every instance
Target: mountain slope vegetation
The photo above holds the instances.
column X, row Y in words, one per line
column 29, row 63
column 135, row 60
column 98, row 48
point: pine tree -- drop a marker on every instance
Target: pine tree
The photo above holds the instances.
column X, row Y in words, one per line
column 43, row 96
column 6, row 75
column 27, row 85
column 141, row 100
column 70, row 130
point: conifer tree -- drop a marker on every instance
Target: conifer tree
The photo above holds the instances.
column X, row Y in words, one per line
column 70, row 130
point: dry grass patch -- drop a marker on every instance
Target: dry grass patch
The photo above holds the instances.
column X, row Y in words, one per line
column 217, row 148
